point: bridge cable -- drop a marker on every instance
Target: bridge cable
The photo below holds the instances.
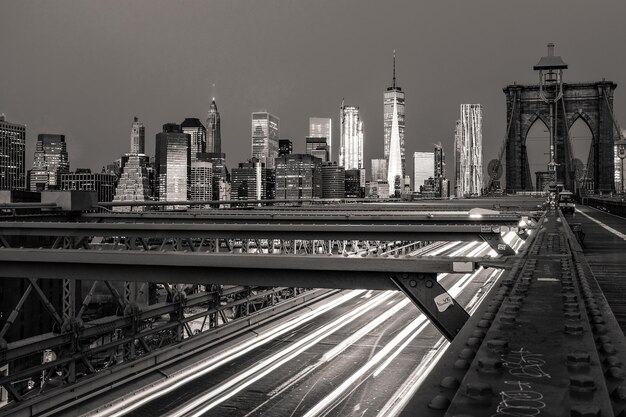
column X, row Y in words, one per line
column 615, row 124
column 503, row 145
column 567, row 140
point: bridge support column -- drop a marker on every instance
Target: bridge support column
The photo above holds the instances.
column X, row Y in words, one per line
column 434, row 301
column 496, row 243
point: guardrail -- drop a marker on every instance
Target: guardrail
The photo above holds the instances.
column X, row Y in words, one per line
column 613, row 206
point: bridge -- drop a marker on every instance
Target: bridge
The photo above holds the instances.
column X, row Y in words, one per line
column 497, row 306
column 513, row 315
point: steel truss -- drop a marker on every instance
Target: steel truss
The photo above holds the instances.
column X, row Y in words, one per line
column 128, row 252
column 301, row 238
column 84, row 348
column 80, row 350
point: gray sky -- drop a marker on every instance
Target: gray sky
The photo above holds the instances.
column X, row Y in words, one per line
column 85, row 68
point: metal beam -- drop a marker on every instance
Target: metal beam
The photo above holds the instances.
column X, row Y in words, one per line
column 345, row 216
column 249, row 269
column 433, row 300
column 294, row 231
column 498, row 244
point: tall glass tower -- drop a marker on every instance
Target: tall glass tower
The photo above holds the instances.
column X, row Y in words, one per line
column 395, row 173
column 423, row 168
column 137, row 138
column 469, row 151
column 379, row 170
column 351, row 138
column 322, row 127
column 393, row 108
column 173, row 163
column 12, row 155
column 265, row 133
column 197, row 132
column 214, row 136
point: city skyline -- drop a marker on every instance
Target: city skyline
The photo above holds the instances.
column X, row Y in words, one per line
column 295, row 88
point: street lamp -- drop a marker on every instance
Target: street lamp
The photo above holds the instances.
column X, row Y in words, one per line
column 621, row 152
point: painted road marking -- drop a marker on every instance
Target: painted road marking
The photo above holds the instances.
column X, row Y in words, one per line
column 609, row 228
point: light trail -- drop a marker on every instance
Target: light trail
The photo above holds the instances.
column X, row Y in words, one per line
column 464, row 248
column 418, row 325
column 387, row 353
column 443, row 248
column 334, row 352
column 396, row 404
column 269, row 364
column 263, row 368
column 330, row 399
column 125, row 405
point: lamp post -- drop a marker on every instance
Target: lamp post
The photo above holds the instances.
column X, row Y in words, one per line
column 621, row 152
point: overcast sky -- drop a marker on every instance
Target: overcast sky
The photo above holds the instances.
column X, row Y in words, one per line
column 85, row 68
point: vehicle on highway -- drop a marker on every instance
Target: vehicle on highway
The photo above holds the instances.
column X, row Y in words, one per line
column 565, row 202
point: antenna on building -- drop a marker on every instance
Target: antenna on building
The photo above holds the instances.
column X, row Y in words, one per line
column 213, row 91
column 394, row 68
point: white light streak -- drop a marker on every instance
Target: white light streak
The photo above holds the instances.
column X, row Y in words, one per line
column 125, row 405
column 228, row 389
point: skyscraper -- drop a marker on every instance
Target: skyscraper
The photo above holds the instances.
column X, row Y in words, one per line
column 379, row 170
column 265, row 132
column 134, row 183
column 395, row 165
column 440, row 162
column 201, row 179
column 423, row 168
column 285, row 147
column 322, row 127
column 457, row 157
column 214, row 135
column 197, row 132
column 469, row 139
column 298, row 176
column 393, row 125
column 220, row 172
column 173, row 163
column 12, row 155
column 333, row 180
column 137, row 138
column 351, row 138
column 318, row 147
column 441, row 183
column 51, row 160
column 249, row 181
column 354, row 184
column 85, row 180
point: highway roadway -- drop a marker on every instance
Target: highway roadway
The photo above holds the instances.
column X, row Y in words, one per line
column 359, row 353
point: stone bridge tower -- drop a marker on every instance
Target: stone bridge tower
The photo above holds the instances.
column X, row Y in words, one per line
column 559, row 105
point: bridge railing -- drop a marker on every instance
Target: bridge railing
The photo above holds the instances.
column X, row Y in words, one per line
column 614, row 205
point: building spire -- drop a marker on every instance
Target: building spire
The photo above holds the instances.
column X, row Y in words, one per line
column 213, row 92
column 394, row 68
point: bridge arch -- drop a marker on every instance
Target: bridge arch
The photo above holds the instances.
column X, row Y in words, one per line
column 581, row 139
column 591, row 102
column 536, row 148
